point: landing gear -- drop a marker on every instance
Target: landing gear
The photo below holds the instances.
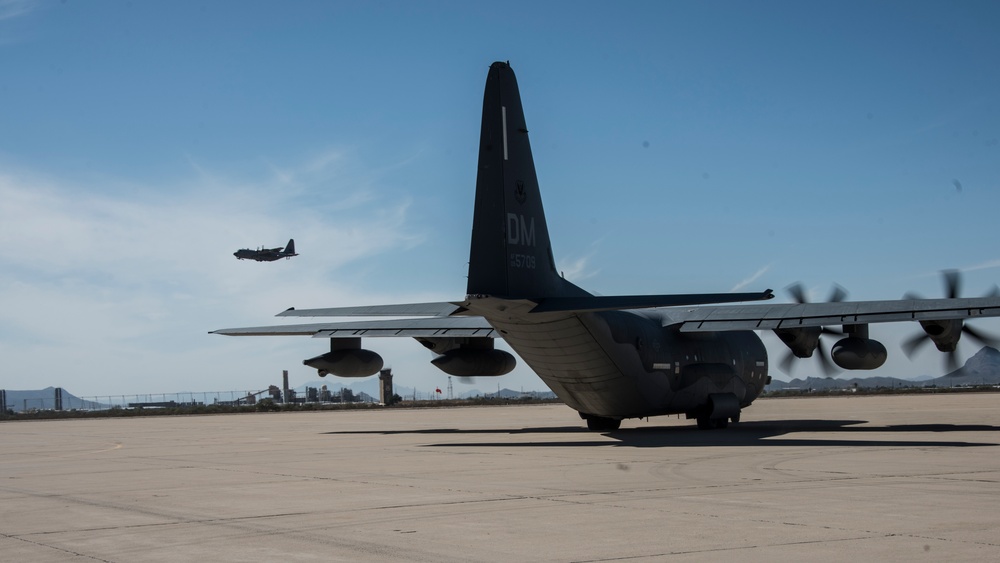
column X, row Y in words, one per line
column 721, row 408
column 600, row 423
column 705, row 423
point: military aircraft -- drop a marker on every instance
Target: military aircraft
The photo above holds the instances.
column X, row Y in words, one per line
column 267, row 254
column 607, row 357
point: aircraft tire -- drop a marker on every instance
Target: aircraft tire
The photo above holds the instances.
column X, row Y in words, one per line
column 705, row 423
column 602, row 424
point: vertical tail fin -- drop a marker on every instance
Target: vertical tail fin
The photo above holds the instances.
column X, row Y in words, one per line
column 511, row 255
column 290, row 247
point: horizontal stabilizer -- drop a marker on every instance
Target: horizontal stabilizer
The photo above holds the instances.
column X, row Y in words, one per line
column 622, row 302
column 398, row 310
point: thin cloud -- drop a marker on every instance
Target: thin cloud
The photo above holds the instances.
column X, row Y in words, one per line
column 578, row 269
column 754, row 277
column 10, row 9
column 988, row 265
column 319, row 165
column 116, row 292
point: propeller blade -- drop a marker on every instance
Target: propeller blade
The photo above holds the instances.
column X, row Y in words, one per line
column 787, row 362
column 798, row 293
column 826, row 364
column 983, row 338
column 952, row 283
column 951, row 362
column 837, row 294
column 912, row 344
column 952, row 280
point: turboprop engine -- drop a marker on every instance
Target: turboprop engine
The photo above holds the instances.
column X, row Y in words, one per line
column 801, row 341
column 346, row 358
column 944, row 334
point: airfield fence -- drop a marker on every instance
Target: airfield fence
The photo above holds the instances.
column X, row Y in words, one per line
column 190, row 399
column 218, row 398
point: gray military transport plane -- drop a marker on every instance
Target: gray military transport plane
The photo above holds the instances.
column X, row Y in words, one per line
column 607, row 357
column 267, row 254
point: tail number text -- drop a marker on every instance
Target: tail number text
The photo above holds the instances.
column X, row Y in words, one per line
column 525, row 261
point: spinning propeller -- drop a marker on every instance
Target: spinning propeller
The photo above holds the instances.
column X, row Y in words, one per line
column 798, row 293
column 946, row 334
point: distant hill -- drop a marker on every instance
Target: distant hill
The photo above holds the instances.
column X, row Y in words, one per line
column 45, row 399
column 508, row 394
column 983, row 368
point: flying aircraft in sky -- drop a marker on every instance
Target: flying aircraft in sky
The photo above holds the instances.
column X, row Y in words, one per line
column 608, row 357
column 267, row 254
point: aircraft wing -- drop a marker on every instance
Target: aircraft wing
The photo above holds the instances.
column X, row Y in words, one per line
column 438, row 327
column 436, row 321
column 801, row 315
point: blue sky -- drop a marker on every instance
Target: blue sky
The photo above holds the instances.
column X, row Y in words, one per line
column 680, row 147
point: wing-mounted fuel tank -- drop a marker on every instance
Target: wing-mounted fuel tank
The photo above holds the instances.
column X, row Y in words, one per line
column 346, row 358
column 857, row 351
column 469, row 357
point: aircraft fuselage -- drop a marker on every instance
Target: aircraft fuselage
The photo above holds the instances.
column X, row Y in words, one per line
column 626, row 364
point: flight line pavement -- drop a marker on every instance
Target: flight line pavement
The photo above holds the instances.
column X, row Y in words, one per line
column 879, row 478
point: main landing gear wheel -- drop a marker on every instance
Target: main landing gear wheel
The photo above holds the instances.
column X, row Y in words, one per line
column 705, row 423
column 601, row 424
column 721, row 408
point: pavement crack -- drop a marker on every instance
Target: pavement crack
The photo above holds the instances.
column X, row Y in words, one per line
column 55, row 548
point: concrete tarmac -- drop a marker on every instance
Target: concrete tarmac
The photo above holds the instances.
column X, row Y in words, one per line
column 890, row 478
